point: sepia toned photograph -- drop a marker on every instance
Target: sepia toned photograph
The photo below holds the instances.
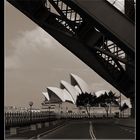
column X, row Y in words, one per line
column 70, row 69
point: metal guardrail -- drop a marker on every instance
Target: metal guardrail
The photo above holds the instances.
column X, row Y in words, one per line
column 13, row 119
column 18, row 119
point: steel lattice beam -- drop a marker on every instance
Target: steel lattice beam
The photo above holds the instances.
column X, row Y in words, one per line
column 77, row 31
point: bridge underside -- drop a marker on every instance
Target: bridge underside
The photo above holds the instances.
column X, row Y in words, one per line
column 109, row 51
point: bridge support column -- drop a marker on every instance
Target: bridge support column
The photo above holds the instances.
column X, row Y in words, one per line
column 133, row 107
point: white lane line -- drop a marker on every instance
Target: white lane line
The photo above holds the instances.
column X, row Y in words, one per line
column 91, row 135
column 91, row 131
column 46, row 132
column 34, row 137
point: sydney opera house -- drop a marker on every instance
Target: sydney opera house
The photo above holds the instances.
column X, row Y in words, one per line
column 63, row 100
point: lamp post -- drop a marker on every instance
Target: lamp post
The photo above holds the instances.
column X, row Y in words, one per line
column 49, row 107
column 60, row 110
column 31, row 104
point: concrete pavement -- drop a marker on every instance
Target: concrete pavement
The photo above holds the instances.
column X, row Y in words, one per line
column 128, row 122
column 107, row 129
column 28, row 133
column 101, row 129
column 72, row 130
column 82, row 129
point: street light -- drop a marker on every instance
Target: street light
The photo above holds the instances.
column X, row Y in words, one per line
column 31, row 104
column 60, row 110
column 49, row 107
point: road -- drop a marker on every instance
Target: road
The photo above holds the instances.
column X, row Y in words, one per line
column 96, row 129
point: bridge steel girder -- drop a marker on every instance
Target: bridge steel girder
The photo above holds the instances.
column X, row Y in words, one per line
column 82, row 37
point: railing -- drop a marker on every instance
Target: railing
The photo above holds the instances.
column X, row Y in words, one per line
column 19, row 119
column 13, row 119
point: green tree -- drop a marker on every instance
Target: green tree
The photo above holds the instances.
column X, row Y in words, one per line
column 106, row 101
column 123, row 108
column 86, row 100
column 112, row 99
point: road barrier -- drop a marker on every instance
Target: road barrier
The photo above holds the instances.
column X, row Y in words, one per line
column 18, row 119
column 13, row 130
column 34, row 127
column 14, row 119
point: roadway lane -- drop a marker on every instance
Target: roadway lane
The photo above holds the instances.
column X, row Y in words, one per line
column 107, row 129
column 72, row 130
column 101, row 129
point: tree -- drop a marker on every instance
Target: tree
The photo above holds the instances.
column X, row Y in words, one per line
column 123, row 108
column 103, row 100
column 86, row 100
column 112, row 99
column 106, row 100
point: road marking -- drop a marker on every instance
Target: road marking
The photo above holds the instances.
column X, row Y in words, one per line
column 91, row 131
column 34, row 137
column 91, row 135
column 46, row 132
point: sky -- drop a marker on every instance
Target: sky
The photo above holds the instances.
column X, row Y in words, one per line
column 35, row 61
column 119, row 4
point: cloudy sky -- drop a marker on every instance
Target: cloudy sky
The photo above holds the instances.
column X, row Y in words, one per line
column 34, row 61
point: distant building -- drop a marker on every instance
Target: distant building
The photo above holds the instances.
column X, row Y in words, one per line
column 63, row 100
column 13, row 109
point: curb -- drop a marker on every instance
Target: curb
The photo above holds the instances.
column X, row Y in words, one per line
column 44, row 133
column 40, row 135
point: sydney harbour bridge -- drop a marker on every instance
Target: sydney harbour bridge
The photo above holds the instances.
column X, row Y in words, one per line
column 95, row 31
column 99, row 34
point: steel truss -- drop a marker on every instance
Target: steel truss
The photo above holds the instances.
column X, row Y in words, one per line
column 62, row 18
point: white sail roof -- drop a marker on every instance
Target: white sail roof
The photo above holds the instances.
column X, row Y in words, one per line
column 123, row 98
column 127, row 101
column 99, row 93
column 70, row 89
column 67, row 96
column 78, row 89
column 46, row 95
column 58, row 92
column 81, row 83
column 63, row 94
